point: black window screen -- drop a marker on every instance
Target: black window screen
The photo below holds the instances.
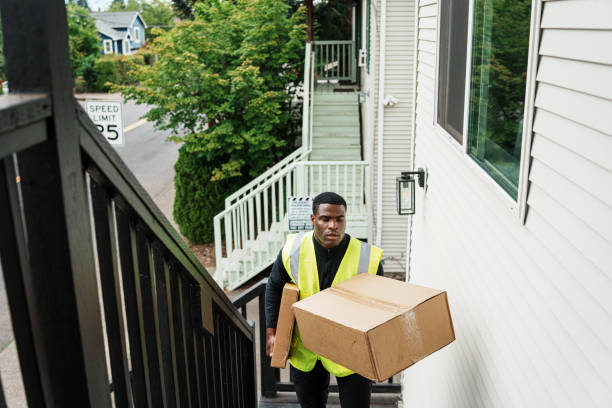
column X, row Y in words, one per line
column 451, row 75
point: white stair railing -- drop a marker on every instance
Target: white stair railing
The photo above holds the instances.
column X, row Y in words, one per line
column 255, row 226
column 336, row 60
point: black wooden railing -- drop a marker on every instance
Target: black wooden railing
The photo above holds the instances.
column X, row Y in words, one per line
column 97, row 279
column 270, row 382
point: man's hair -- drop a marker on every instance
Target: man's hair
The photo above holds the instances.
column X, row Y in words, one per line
column 327, row 198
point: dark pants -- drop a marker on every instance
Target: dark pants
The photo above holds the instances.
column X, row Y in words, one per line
column 312, row 388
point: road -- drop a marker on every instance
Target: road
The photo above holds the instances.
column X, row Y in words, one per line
column 151, row 159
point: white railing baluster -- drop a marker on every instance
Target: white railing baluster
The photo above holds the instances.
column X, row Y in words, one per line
column 281, row 200
column 258, row 213
column 337, row 177
column 235, row 228
column 243, row 225
column 251, row 219
column 353, row 186
column 273, row 189
column 265, row 208
column 345, row 181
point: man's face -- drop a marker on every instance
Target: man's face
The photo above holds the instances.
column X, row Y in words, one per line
column 329, row 224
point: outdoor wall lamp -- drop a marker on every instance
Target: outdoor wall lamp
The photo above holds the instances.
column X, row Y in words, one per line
column 405, row 190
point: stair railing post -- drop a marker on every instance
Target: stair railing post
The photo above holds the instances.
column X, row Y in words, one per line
column 269, row 375
column 218, row 251
column 61, row 277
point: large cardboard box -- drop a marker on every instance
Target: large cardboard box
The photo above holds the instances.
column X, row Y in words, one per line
column 284, row 326
column 375, row 326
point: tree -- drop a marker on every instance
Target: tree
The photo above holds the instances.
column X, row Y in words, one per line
column 81, row 3
column 184, row 8
column 157, row 13
column 83, row 38
column 118, row 5
column 223, row 85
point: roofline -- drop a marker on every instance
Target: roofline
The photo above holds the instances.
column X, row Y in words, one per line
column 141, row 19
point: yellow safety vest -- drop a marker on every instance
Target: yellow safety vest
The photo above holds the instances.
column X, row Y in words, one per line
column 301, row 264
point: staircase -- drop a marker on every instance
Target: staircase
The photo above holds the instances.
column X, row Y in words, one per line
column 335, row 131
column 253, row 224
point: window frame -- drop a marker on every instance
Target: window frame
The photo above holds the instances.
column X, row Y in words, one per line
column 137, row 34
column 519, row 206
column 106, row 43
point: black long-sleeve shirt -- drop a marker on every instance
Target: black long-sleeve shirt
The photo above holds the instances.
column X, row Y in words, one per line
column 328, row 261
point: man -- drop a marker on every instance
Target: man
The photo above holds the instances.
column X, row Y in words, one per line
column 315, row 261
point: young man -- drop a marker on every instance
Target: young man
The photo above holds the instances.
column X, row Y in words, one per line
column 315, row 261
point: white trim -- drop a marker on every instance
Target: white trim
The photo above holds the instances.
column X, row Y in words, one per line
column 517, row 206
column 434, row 119
column 529, row 107
column 125, row 46
column 381, row 118
column 468, row 78
column 137, row 34
column 415, row 62
column 108, row 43
column 141, row 19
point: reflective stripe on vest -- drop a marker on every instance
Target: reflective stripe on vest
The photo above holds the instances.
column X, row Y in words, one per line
column 299, row 260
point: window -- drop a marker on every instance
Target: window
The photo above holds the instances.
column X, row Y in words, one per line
column 137, row 34
column 451, row 71
column 497, row 80
column 497, row 88
column 108, row 46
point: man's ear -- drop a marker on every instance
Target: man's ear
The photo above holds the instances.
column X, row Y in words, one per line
column 312, row 219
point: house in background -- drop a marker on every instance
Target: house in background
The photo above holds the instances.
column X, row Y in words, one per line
column 120, row 32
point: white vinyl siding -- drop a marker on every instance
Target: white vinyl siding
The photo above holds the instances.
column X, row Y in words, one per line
column 531, row 303
column 397, row 154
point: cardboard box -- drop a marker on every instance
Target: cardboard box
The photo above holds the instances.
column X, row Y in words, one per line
column 284, row 326
column 375, row 326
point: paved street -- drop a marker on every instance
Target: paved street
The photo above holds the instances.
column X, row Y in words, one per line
column 151, row 159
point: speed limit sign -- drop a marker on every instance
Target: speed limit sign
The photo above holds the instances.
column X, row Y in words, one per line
column 108, row 118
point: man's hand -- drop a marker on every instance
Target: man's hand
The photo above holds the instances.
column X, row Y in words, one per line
column 270, row 339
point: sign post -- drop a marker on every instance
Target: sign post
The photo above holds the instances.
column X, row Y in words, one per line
column 299, row 210
column 108, row 118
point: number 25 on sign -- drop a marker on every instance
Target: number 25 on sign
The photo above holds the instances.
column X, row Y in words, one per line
column 108, row 118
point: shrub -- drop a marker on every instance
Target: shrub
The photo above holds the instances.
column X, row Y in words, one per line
column 198, row 199
column 110, row 70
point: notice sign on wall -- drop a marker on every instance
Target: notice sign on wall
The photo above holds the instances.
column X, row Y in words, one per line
column 298, row 213
column 108, row 118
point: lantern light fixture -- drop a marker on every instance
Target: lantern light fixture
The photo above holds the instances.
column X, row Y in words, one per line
column 406, row 185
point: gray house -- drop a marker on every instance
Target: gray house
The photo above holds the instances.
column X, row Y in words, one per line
column 120, row 32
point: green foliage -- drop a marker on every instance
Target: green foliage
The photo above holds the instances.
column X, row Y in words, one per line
column 184, row 8
column 223, row 85
column 157, row 13
column 110, row 70
column 119, row 5
column 333, row 20
column 196, row 201
column 80, row 3
column 82, row 36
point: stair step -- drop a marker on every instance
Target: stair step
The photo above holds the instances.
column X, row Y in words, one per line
column 289, row 400
column 336, row 107
column 335, row 98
